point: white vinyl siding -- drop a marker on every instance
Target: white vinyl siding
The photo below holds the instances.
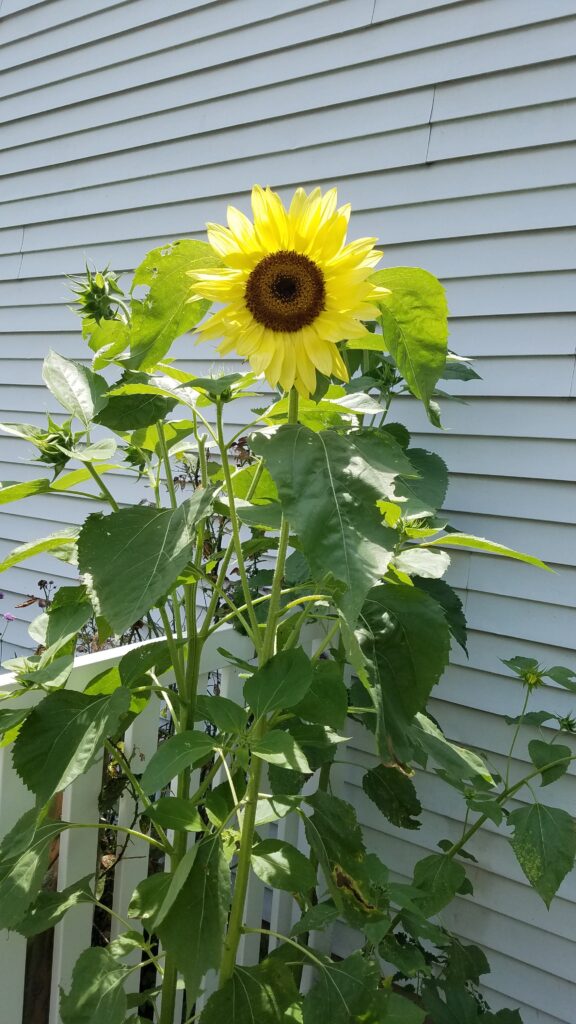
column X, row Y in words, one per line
column 450, row 125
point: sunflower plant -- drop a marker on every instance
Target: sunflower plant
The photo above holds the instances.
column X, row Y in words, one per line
column 317, row 531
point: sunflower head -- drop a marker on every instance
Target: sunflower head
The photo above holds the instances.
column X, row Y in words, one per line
column 291, row 287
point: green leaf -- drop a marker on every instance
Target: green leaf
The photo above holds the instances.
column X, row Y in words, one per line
column 458, row 1006
column 406, row 956
column 24, row 855
column 563, row 676
column 61, row 544
column 166, row 312
column 544, row 842
column 280, row 748
column 50, row 907
column 439, row 878
column 342, row 991
column 253, row 995
column 451, row 605
column 326, row 701
column 148, row 897
column 465, row 540
column 181, row 751
column 405, row 638
column 62, row 736
column 392, row 1008
column 271, row 808
column 131, row 558
column 394, row 794
column 419, row 561
column 176, row 813
column 328, row 491
column 545, row 757
column 281, row 683
column 192, row 930
column 137, row 405
column 320, row 916
column 80, row 391
column 217, row 387
column 415, row 326
column 13, row 490
column 225, row 714
column 78, row 476
column 97, row 993
column 281, row 866
column 458, row 368
column 425, row 494
column 466, row 963
column 107, row 339
column 455, row 760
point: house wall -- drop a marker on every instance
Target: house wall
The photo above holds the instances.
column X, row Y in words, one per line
column 450, row 127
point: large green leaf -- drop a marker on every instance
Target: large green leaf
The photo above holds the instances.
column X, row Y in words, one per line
column 280, row 748
column 107, row 339
column 225, row 714
column 439, row 878
column 62, row 736
column 24, row 855
column 553, row 759
column 451, row 605
column 326, row 701
column 466, row 540
column 425, row 494
column 61, row 544
column 405, row 638
column 97, row 993
column 544, row 842
column 329, row 491
column 13, row 490
column 50, row 907
column 394, row 794
column 192, row 928
column 342, row 991
column 174, row 755
column 281, row 866
column 166, row 312
column 415, row 326
column 253, row 995
column 281, row 683
column 80, row 391
column 456, row 761
column 132, row 407
column 131, row 558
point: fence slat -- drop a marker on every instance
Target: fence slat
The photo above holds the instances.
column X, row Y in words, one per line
column 14, row 801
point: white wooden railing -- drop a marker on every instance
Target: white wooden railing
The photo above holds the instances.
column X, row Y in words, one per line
column 79, row 848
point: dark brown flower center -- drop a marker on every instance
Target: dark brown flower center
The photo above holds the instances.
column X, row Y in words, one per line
column 285, row 291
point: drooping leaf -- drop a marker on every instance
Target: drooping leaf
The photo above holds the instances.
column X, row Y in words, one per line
column 328, row 491
column 225, row 714
column 281, row 866
column 280, row 748
column 13, row 490
column 342, row 990
column 166, row 312
column 466, row 963
column 453, row 759
column 80, row 391
column 50, row 907
column 544, row 842
column 130, row 559
column 326, row 701
column 148, row 897
column 24, row 855
column 466, row 540
column 419, row 561
column 176, row 813
column 281, row 683
column 394, row 794
column 97, row 993
column 107, row 339
column 61, row 737
column 415, row 326
column 457, row 1007
column 192, row 929
column 61, row 544
column 552, row 759
column 439, row 878
column 405, row 638
column 563, row 676
column 131, row 407
column 271, row 808
column 253, row 995
column 406, row 956
column 425, row 494
column 451, row 604
column 181, row 751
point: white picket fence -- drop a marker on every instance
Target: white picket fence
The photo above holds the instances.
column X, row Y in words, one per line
column 79, row 848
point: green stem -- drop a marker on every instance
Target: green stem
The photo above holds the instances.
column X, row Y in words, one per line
column 515, row 737
column 235, row 523
column 326, row 640
column 166, row 460
column 102, row 487
column 117, row 828
column 234, row 932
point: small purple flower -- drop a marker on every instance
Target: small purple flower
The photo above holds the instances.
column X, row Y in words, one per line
column 8, row 616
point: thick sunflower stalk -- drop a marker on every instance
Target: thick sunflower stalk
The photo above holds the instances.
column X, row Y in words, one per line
column 322, row 543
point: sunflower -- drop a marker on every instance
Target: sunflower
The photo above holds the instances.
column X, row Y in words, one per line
column 291, row 287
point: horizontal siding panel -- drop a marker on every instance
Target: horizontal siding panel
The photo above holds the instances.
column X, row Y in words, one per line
column 533, row 44
column 543, row 125
column 494, row 417
column 527, row 459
